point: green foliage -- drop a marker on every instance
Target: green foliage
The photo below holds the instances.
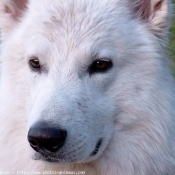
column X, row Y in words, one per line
column 172, row 42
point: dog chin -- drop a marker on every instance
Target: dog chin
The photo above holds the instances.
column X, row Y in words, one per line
column 51, row 159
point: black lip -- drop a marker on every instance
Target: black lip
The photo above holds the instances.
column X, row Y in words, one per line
column 50, row 159
column 97, row 148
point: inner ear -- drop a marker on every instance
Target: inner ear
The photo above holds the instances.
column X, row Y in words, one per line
column 156, row 14
column 11, row 12
column 16, row 8
column 142, row 9
column 158, row 6
column 146, row 8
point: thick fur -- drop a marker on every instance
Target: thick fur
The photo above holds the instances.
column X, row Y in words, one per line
column 131, row 107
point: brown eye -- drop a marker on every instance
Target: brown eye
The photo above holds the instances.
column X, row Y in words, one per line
column 34, row 63
column 100, row 66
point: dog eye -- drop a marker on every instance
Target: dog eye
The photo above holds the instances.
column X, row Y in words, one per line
column 34, row 63
column 100, row 66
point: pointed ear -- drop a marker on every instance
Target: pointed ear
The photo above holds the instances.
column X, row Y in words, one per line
column 11, row 12
column 156, row 14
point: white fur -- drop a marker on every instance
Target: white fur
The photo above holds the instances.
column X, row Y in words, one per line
column 131, row 106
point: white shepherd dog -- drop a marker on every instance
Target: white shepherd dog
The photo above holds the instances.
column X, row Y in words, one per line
column 85, row 86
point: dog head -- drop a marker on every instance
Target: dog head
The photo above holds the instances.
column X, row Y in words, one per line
column 75, row 66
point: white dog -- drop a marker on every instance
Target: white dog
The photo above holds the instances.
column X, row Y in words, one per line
column 86, row 86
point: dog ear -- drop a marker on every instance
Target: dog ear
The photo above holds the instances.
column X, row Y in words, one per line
column 156, row 14
column 11, row 11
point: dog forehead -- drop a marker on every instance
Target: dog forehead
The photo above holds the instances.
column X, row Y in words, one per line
column 75, row 17
column 70, row 24
column 75, row 5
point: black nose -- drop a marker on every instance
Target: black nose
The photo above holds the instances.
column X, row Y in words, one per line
column 46, row 139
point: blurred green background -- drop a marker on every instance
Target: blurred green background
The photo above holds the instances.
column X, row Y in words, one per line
column 172, row 41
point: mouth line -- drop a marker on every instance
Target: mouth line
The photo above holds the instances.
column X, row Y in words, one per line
column 53, row 159
column 49, row 158
column 96, row 148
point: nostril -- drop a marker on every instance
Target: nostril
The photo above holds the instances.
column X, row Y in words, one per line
column 52, row 146
column 33, row 143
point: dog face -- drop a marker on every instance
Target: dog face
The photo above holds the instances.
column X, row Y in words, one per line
column 72, row 83
column 73, row 61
